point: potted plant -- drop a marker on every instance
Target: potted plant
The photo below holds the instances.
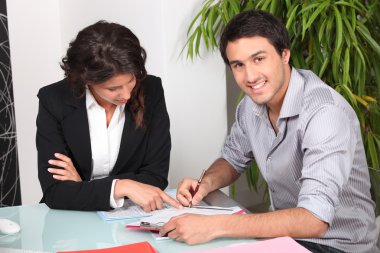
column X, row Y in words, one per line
column 337, row 40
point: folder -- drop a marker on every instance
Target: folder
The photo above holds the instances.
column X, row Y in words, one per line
column 141, row 247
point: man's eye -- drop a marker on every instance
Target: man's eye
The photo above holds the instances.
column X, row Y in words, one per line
column 259, row 59
column 111, row 89
column 237, row 66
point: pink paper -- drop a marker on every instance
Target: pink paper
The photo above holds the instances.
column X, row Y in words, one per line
column 276, row 245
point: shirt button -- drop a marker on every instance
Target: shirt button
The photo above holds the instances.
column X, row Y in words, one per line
column 269, row 158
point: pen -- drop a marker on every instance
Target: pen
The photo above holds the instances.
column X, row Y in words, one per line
column 193, row 192
column 213, row 208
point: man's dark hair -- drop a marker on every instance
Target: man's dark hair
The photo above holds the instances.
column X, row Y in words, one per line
column 255, row 23
column 101, row 51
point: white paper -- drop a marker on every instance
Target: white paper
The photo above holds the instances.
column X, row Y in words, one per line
column 130, row 210
column 160, row 217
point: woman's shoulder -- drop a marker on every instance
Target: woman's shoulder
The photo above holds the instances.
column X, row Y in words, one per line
column 151, row 81
column 54, row 90
column 152, row 86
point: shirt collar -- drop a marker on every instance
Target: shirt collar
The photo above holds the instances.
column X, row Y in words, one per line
column 293, row 100
column 92, row 103
column 90, row 100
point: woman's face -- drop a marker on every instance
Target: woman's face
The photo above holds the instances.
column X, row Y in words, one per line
column 115, row 91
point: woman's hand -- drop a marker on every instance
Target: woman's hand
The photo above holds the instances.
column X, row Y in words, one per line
column 67, row 170
column 147, row 196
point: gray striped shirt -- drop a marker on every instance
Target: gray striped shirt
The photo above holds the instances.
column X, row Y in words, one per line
column 316, row 161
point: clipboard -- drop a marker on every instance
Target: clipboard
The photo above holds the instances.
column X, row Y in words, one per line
column 143, row 225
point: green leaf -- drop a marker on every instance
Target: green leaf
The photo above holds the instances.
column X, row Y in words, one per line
column 321, row 32
column 274, row 7
column 350, row 31
column 210, row 26
column 323, row 67
column 339, row 27
column 235, row 6
column 335, row 65
column 291, row 16
column 347, row 93
column 197, row 42
column 375, row 46
column 306, row 7
column 346, row 66
column 352, row 5
column 193, row 22
column 372, row 151
column 316, row 13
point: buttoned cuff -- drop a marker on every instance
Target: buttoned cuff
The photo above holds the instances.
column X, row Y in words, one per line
column 318, row 206
column 114, row 203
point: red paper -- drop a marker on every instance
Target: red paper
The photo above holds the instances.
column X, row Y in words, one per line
column 141, row 247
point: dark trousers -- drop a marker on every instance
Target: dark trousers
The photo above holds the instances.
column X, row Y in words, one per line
column 318, row 248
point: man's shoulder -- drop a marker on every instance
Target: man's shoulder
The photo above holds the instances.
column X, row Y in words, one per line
column 318, row 94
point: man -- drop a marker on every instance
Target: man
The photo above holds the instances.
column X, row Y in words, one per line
column 306, row 141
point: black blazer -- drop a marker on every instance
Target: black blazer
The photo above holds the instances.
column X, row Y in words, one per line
column 62, row 126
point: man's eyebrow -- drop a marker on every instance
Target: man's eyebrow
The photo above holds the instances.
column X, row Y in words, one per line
column 251, row 56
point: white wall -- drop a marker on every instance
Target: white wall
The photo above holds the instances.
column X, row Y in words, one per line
column 40, row 31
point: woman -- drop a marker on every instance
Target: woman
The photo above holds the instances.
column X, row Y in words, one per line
column 103, row 131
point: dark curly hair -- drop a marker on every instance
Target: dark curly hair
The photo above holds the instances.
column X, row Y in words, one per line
column 101, row 51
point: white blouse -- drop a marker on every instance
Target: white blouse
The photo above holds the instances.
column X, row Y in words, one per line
column 105, row 141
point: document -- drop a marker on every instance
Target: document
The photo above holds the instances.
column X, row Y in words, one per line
column 130, row 210
column 276, row 245
column 154, row 222
column 160, row 217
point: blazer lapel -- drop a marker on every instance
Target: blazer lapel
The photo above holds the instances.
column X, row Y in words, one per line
column 76, row 129
column 130, row 140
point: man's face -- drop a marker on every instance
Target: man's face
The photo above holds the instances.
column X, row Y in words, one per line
column 259, row 70
column 115, row 91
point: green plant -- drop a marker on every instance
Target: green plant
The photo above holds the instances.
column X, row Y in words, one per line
column 337, row 40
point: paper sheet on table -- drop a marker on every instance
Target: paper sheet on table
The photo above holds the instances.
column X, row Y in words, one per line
column 164, row 215
column 160, row 217
column 130, row 210
column 276, row 245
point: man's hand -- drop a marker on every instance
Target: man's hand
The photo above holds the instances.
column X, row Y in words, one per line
column 186, row 188
column 191, row 228
column 147, row 196
column 67, row 170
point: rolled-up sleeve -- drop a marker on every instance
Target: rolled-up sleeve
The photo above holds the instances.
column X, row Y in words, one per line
column 237, row 149
column 329, row 143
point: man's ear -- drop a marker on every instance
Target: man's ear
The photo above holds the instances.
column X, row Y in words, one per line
column 285, row 55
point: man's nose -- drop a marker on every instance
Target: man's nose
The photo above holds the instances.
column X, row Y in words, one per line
column 250, row 74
